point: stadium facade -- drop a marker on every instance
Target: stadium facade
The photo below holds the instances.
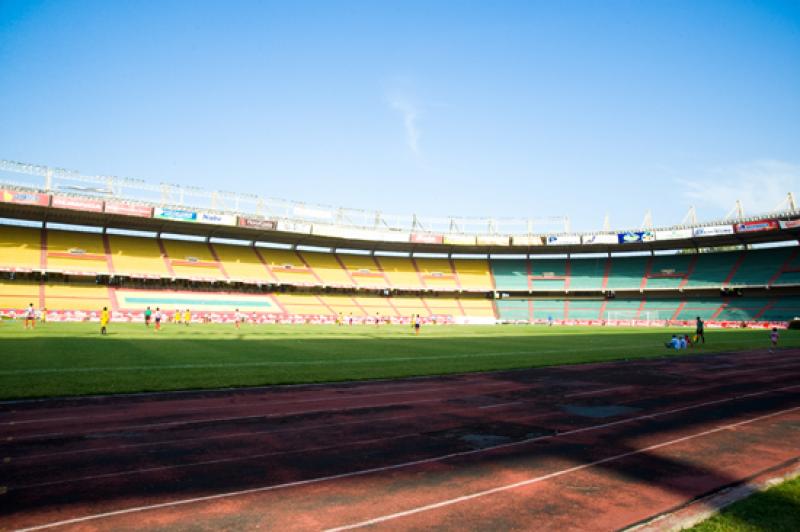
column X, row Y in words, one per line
column 73, row 244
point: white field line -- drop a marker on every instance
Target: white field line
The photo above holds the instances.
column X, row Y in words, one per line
column 402, row 465
column 603, row 390
column 499, row 405
column 555, row 474
column 337, row 361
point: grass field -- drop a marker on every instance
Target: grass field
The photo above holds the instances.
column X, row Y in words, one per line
column 777, row 509
column 61, row 359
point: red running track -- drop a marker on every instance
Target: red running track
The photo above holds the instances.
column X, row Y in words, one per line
column 600, row 446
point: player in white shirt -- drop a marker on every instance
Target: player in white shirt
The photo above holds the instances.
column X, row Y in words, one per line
column 30, row 317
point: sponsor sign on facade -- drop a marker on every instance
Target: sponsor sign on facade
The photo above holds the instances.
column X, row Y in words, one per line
column 674, row 234
column 294, row 227
column 24, row 198
column 128, row 209
column 563, row 240
column 760, row 225
column 179, row 215
column 258, row 223
column 632, row 237
column 493, row 240
column 216, row 219
column 79, row 204
column 527, row 241
column 790, row 224
column 599, row 239
column 713, row 230
column 355, row 233
column 459, row 240
column 426, row 238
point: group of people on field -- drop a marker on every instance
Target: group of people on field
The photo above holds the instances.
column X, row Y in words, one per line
column 684, row 341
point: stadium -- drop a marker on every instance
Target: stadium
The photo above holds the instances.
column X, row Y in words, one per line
column 279, row 263
column 399, row 266
column 253, row 292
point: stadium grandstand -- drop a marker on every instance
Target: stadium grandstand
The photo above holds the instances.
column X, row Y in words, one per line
column 73, row 244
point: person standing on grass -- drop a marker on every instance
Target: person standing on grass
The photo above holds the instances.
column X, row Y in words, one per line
column 238, row 317
column 105, row 317
column 187, row 317
column 773, row 337
column 30, row 317
column 158, row 318
column 147, row 314
column 699, row 331
column 417, row 324
column 43, row 317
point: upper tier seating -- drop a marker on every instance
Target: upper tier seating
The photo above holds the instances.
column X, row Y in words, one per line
column 474, row 274
column 76, row 253
column 193, row 260
column 437, row 274
column 241, row 263
column 706, row 270
column 288, row 267
column 20, row 248
column 137, row 256
column 364, row 271
column 73, row 252
column 327, row 268
column 401, row 272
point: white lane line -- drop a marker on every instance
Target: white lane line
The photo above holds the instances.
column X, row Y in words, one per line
column 148, row 426
column 593, row 392
column 554, row 474
column 213, row 462
column 402, row 465
column 499, row 405
column 267, row 402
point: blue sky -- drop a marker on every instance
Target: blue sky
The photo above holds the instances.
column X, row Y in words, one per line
column 439, row 108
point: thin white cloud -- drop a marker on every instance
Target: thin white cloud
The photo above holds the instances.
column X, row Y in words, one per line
column 761, row 186
column 410, row 114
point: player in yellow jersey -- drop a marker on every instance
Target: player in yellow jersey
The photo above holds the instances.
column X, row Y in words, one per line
column 43, row 317
column 105, row 316
column 187, row 317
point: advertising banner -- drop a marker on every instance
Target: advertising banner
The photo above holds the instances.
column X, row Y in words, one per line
column 24, row 198
column 493, row 240
column 527, row 240
column 294, row 227
column 179, row 215
column 216, row 219
column 713, row 230
column 599, row 239
column 128, row 209
column 790, row 224
column 426, row 238
column 78, row 204
column 258, row 223
column 674, row 234
column 459, row 240
column 633, row 237
column 355, row 233
column 563, row 240
column 760, row 225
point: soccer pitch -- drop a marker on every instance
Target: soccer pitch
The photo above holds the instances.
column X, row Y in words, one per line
column 63, row 359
